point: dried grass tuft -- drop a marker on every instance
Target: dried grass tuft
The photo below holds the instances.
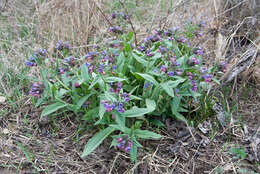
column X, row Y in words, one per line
column 77, row 21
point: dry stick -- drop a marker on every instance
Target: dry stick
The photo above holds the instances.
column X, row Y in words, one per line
column 149, row 32
column 105, row 17
column 130, row 22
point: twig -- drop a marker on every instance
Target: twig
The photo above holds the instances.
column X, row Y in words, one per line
column 105, row 17
column 130, row 22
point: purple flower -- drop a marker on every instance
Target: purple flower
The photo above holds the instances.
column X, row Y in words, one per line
column 141, row 48
column 207, row 77
column 162, row 49
column 76, row 85
column 147, row 85
column 171, row 73
column 113, row 116
column 199, row 51
column 119, row 85
column 195, row 60
column 194, row 85
column 203, row 70
column 149, row 54
column 179, row 71
column 127, row 99
column 36, row 89
column 163, row 68
column 29, row 64
column 114, row 67
column 87, row 64
column 113, row 16
column 121, row 107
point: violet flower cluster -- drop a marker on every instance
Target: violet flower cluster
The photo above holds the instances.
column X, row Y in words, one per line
column 124, row 144
column 31, row 62
column 36, row 89
column 62, row 46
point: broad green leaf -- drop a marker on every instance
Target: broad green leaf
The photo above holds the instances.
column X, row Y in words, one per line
column 148, row 78
column 120, row 120
column 145, row 134
column 120, row 62
column 114, row 79
column 127, row 47
column 150, row 104
column 96, row 140
column 156, row 92
column 175, row 104
column 101, row 111
column 138, row 112
column 82, row 101
column 95, row 81
column 175, row 107
column 109, row 96
column 167, row 89
column 175, row 83
column 133, row 97
column 84, row 73
column 133, row 152
column 40, row 101
column 90, row 114
column 180, row 117
column 52, row 108
column 140, row 60
column 129, row 36
column 61, row 92
column 65, row 79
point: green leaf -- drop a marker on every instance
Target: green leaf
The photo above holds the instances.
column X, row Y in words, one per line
column 120, row 120
column 127, row 47
column 150, row 104
column 175, row 107
column 90, row 113
column 95, row 81
column 138, row 112
column 180, row 117
column 52, row 108
column 148, row 78
column 175, row 83
column 96, row 140
column 129, row 36
column 140, row 60
column 82, row 101
column 175, row 104
column 114, row 79
column 167, row 89
column 120, row 62
column 61, row 92
column 145, row 134
column 84, row 73
column 133, row 152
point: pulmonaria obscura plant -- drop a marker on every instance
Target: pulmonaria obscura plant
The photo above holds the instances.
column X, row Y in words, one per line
column 119, row 87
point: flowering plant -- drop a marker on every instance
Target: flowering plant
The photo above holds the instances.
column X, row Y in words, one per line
column 119, row 86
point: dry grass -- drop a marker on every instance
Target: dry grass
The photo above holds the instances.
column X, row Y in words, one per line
column 53, row 148
column 78, row 21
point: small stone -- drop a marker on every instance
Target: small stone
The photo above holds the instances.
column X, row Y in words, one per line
column 2, row 99
column 44, row 121
column 6, row 131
